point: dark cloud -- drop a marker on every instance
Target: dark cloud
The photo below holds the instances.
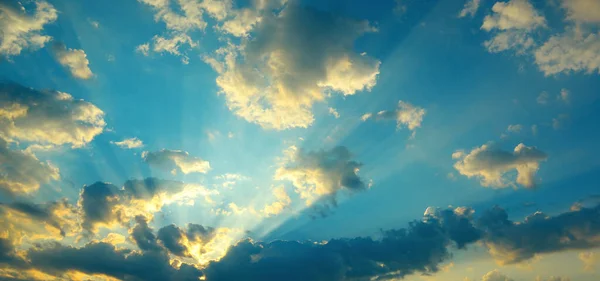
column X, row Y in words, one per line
column 176, row 160
column 52, row 213
column 177, row 240
column 106, row 204
column 104, row 258
column 513, row 242
column 143, row 235
column 8, row 255
column 419, row 248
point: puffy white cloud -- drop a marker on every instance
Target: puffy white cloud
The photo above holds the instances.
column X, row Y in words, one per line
column 48, row 117
column 490, row 165
column 571, row 51
column 406, row 115
column 323, row 173
column 514, row 14
column 283, row 200
column 586, row 11
column 334, row 112
column 470, row 8
column 289, row 63
column 512, row 21
column 22, row 31
column 21, row 172
column 75, row 60
column 176, row 160
column 129, row 143
column 564, row 96
column 144, row 49
column 495, row 275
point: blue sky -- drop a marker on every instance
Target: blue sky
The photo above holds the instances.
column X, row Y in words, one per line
column 222, row 139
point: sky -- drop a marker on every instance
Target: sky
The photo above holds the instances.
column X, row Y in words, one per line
column 258, row 140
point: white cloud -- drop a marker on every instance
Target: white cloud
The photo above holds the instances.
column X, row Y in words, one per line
column 176, row 160
column 47, row 117
column 514, row 14
column 583, row 11
column 129, row 143
column 589, row 259
column 514, row 128
column 290, row 61
column 513, row 21
column 406, row 115
column 564, row 96
column 495, row 275
column 283, row 200
column 21, row 172
column 315, row 174
column 470, row 8
column 491, row 165
column 75, row 60
column 21, row 31
column 571, row 51
column 534, row 130
column 334, row 112
column 143, row 49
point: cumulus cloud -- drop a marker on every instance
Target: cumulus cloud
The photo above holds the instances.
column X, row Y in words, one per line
column 180, row 18
column 292, row 59
column 21, row 172
column 406, row 115
column 470, row 8
column 571, row 51
column 516, row 128
column 187, row 242
column 421, row 247
column 23, row 221
column 73, row 59
column 123, row 264
column 564, row 96
column 282, row 201
column 495, row 275
column 491, row 165
column 21, row 30
column 323, row 173
column 512, row 242
column 512, row 23
column 106, row 205
column 47, row 117
column 582, row 11
column 176, row 160
column 129, row 143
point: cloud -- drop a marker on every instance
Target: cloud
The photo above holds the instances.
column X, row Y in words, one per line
column 73, row 59
column 406, row 115
column 564, row 96
column 559, row 122
column 516, row 128
column 123, row 264
column 334, row 112
column 188, row 242
column 106, row 205
column 176, row 160
column 513, row 242
column 543, row 98
column 291, row 61
column 180, row 18
column 571, row 51
column 589, row 260
column 129, row 143
column 21, row 172
column 421, row 247
column 283, row 200
column 323, row 173
column 495, row 275
column 22, row 31
column 491, row 165
column 47, row 117
column 512, row 22
column 470, row 8
column 23, row 221
column 582, row 11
